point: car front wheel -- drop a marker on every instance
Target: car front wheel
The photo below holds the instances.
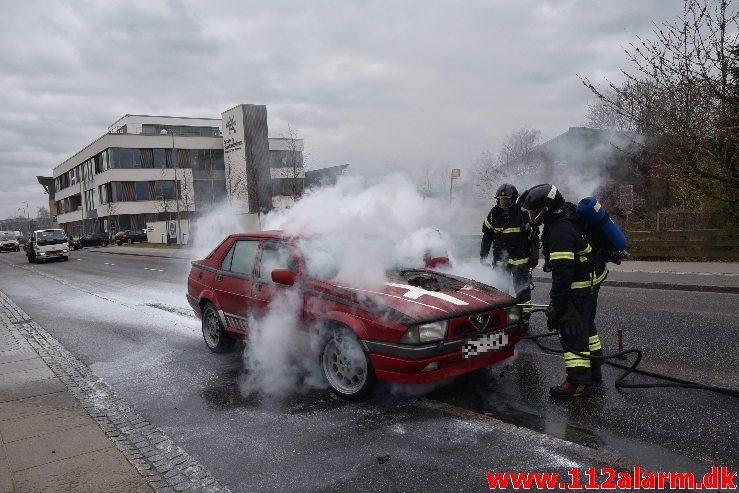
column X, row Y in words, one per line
column 346, row 366
column 214, row 333
column 104, row 243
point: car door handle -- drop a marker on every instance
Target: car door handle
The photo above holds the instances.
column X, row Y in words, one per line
column 219, row 278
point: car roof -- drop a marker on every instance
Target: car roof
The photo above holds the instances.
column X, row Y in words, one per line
column 272, row 234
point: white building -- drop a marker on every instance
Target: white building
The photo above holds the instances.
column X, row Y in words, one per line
column 147, row 169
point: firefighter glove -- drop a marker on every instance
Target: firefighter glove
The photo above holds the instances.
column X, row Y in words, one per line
column 570, row 322
column 533, row 257
column 553, row 312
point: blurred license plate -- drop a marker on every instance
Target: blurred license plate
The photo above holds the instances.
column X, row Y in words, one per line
column 53, row 255
column 484, row 344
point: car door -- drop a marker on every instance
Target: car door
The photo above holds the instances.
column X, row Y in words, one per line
column 233, row 283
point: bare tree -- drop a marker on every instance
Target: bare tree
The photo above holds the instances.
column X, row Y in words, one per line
column 110, row 208
column 492, row 168
column 682, row 91
column 187, row 196
column 433, row 180
column 295, row 162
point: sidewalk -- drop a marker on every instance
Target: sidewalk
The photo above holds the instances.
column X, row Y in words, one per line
column 720, row 277
column 48, row 441
column 63, row 429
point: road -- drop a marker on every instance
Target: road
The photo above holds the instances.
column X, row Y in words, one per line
column 127, row 319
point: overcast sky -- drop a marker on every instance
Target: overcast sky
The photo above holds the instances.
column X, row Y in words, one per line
column 402, row 84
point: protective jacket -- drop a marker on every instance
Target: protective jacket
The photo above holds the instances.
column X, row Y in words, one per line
column 569, row 255
column 509, row 233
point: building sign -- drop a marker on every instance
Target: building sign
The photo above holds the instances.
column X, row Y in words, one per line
column 234, row 157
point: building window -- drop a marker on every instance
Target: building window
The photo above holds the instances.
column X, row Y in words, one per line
column 142, row 190
column 164, row 190
column 160, row 159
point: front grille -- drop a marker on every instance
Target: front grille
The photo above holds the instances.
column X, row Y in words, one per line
column 463, row 326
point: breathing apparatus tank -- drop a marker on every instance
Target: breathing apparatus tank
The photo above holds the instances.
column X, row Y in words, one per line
column 598, row 220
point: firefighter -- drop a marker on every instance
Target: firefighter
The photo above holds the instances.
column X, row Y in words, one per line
column 576, row 276
column 507, row 229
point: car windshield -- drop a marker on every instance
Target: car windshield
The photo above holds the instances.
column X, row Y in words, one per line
column 329, row 256
column 51, row 237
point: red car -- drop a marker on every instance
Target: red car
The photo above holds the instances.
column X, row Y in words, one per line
column 422, row 326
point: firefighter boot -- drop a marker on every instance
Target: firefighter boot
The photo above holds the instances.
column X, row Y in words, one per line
column 567, row 390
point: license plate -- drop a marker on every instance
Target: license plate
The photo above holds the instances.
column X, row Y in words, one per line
column 485, row 343
column 53, row 255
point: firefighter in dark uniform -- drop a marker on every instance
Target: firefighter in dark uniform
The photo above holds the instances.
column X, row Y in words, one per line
column 577, row 272
column 507, row 229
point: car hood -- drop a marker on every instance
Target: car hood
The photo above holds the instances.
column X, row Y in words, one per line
column 412, row 296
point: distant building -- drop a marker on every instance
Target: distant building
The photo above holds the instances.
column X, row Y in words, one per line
column 325, row 176
column 154, row 168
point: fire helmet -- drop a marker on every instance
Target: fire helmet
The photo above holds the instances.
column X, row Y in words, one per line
column 506, row 195
column 542, row 200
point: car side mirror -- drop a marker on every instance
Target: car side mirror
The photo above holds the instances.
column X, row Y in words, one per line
column 284, row 276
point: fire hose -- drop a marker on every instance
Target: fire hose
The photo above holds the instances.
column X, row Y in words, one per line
column 619, row 383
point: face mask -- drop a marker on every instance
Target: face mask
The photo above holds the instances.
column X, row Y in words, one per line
column 505, row 202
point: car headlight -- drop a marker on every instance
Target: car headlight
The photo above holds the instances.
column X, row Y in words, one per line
column 42, row 253
column 65, row 251
column 430, row 332
column 513, row 314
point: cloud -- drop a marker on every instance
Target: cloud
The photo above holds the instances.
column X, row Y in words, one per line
column 377, row 84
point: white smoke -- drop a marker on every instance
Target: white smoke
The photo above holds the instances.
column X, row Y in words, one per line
column 353, row 232
column 279, row 353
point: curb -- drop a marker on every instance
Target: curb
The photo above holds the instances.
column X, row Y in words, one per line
column 660, row 285
column 161, row 463
column 141, row 255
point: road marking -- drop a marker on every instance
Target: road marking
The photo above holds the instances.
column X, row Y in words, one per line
column 107, row 263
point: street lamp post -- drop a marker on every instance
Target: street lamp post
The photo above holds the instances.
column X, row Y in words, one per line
column 176, row 190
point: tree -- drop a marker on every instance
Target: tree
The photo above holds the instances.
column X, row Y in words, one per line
column 111, row 210
column 294, row 162
column 682, row 92
column 492, row 168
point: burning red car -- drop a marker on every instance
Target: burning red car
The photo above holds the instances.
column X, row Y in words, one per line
column 422, row 326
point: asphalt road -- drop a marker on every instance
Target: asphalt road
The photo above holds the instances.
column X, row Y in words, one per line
column 127, row 318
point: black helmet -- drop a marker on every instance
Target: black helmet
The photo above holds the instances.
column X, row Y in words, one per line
column 508, row 194
column 541, row 201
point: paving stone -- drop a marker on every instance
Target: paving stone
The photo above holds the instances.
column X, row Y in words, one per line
column 30, row 389
column 82, row 473
column 6, row 480
column 39, row 424
column 38, row 404
column 43, row 449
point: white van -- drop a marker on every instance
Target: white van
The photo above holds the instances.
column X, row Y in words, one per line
column 47, row 244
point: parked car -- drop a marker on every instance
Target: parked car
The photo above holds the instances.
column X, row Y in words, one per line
column 9, row 242
column 422, row 326
column 129, row 236
column 47, row 244
column 95, row 239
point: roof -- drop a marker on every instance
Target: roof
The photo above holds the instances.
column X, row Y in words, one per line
column 273, row 234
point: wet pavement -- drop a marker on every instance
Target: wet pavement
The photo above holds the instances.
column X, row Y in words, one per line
column 126, row 317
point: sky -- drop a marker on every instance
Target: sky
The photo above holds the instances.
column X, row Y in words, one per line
column 404, row 85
